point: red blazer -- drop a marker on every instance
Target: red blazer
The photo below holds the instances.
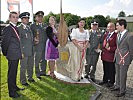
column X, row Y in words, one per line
column 108, row 55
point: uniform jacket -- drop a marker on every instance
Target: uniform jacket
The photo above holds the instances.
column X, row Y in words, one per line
column 11, row 43
column 123, row 47
column 42, row 36
column 108, row 55
column 94, row 40
column 26, row 40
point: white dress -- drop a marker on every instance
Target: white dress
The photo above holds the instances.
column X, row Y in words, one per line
column 76, row 61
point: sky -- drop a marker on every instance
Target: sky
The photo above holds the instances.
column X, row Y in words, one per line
column 83, row 8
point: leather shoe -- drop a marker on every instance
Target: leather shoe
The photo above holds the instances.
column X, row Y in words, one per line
column 16, row 95
column 93, row 79
column 25, row 84
column 19, row 89
column 120, row 94
column 86, row 76
column 43, row 75
column 102, row 83
column 109, row 85
column 39, row 78
column 31, row 80
column 115, row 89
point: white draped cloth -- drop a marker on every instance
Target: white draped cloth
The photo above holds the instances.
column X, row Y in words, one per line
column 73, row 68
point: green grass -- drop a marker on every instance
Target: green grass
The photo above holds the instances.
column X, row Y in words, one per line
column 46, row 89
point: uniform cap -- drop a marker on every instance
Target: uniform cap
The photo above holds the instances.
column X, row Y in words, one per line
column 39, row 13
column 24, row 14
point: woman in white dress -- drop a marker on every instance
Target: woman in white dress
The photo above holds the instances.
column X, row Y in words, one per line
column 80, row 40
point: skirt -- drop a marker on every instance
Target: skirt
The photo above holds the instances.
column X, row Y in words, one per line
column 51, row 52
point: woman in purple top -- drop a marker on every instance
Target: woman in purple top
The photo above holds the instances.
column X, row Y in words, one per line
column 51, row 53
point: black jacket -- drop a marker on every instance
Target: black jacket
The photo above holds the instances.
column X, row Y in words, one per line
column 10, row 43
column 50, row 35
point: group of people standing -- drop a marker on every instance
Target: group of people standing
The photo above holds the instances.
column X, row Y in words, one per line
column 37, row 43
column 116, row 55
column 33, row 45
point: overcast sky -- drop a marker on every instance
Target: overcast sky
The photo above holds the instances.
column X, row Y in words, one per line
column 83, row 8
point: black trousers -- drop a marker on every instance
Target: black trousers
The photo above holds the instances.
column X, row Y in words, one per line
column 12, row 74
column 109, row 72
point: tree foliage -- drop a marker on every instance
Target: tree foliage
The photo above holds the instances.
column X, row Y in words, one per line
column 101, row 20
column 121, row 14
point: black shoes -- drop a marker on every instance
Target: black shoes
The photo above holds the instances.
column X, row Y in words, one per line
column 114, row 89
column 92, row 79
column 109, row 85
column 39, row 78
column 102, row 83
column 20, row 89
column 25, row 84
column 43, row 75
column 86, row 76
column 15, row 95
column 120, row 94
column 106, row 84
column 31, row 80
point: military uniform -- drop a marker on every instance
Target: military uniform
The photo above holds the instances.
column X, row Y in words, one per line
column 26, row 41
column 91, row 54
column 39, row 48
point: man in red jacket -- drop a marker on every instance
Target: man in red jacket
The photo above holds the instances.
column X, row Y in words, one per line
column 107, row 56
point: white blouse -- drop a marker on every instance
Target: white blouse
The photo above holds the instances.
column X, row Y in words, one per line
column 76, row 34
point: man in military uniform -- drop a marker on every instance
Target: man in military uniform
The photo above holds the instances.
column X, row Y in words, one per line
column 40, row 37
column 26, row 41
column 92, row 53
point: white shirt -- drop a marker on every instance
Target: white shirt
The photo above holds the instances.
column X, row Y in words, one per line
column 13, row 24
column 76, row 34
column 122, row 33
column 111, row 33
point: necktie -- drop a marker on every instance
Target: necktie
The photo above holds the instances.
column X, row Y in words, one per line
column 108, row 36
column 119, row 38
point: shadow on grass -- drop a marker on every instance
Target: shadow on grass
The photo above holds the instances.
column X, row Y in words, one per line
column 23, row 97
column 47, row 89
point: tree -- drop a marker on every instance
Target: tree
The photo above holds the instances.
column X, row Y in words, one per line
column 101, row 20
column 69, row 18
column 88, row 21
column 46, row 18
column 121, row 14
column 1, row 22
column 108, row 19
column 130, row 16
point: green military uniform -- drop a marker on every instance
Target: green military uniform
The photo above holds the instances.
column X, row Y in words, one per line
column 27, row 63
column 91, row 55
column 39, row 48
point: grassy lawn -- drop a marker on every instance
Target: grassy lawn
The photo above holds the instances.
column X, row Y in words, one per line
column 45, row 89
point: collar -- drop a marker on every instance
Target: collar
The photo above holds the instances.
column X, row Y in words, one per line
column 122, row 33
column 39, row 23
column 111, row 33
column 24, row 26
column 13, row 24
column 94, row 31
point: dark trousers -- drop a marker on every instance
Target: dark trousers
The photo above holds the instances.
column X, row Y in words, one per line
column 109, row 72
column 12, row 73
